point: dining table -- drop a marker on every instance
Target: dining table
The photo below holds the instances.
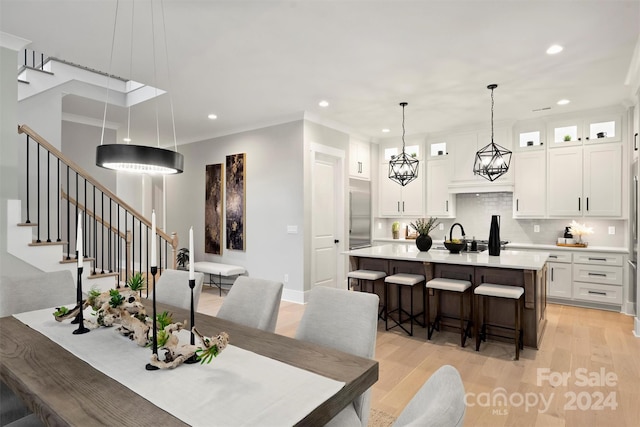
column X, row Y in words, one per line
column 308, row 384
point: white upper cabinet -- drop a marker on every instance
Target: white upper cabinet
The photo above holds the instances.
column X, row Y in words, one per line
column 359, row 159
column 585, row 181
column 440, row 203
column 594, row 129
column 396, row 200
column 564, row 189
column 530, row 192
column 603, row 180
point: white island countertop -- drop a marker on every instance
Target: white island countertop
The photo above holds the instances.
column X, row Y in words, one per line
column 520, row 259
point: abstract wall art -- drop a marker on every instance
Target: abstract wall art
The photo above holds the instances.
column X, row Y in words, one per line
column 213, row 210
column 235, row 201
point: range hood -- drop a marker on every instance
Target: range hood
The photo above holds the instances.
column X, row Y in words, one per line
column 480, row 187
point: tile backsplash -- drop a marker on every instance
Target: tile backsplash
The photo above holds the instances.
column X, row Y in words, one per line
column 474, row 212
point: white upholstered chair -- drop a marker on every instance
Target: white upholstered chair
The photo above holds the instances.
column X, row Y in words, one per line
column 252, row 302
column 346, row 321
column 173, row 288
column 26, row 293
column 439, row 402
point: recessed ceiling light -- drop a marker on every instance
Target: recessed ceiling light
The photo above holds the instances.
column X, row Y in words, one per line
column 563, row 102
column 126, row 139
column 385, row 130
column 323, row 103
column 553, row 49
column 212, row 116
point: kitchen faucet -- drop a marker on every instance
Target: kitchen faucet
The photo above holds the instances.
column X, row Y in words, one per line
column 464, row 240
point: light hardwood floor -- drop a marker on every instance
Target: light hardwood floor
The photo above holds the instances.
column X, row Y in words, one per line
column 594, row 350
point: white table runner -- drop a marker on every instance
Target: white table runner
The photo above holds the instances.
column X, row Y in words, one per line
column 237, row 388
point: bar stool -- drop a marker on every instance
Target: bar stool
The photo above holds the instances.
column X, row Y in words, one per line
column 363, row 277
column 454, row 286
column 514, row 293
column 400, row 280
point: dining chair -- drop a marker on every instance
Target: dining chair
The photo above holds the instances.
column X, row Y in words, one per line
column 173, row 288
column 346, row 321
column 26, row 293
column 252, row 302
column 439, row 402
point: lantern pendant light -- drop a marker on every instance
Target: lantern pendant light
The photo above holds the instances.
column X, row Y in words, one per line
column 402, row 168
column 492, row 161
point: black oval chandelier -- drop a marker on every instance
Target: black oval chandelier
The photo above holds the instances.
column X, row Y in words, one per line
column 140, row 158
column 492, row 161
column 402, row 168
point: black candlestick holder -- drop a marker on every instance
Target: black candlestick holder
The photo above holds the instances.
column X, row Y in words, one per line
column 193, row 358
column 154, row 339
column 80, row 317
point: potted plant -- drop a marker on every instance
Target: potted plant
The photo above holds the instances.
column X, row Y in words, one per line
column 567, row 137
column 424, row 227
column 395, row 229
column 182, row 258
column 137, row 282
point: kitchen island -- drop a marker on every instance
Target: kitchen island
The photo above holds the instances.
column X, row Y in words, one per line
column 526, row 269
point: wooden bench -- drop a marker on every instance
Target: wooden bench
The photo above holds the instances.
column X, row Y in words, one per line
column 214, row 269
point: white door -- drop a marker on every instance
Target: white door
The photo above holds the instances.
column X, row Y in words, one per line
column 326, row 196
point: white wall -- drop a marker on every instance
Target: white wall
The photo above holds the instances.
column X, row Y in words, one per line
column 9, row 166
column 274, row 200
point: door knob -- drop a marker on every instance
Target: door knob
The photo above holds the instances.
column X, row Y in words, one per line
column 336, row 241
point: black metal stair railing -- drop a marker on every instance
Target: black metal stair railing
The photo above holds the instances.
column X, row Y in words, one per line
column 120, row 248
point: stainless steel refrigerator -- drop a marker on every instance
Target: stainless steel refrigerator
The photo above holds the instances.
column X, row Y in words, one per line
column 359, row 214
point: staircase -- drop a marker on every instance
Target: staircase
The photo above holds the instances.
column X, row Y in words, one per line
column 49, row 256
column 115, row 237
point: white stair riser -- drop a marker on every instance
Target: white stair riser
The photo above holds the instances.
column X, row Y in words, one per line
column 45, row 258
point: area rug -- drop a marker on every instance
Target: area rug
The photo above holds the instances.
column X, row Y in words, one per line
column 379, row 418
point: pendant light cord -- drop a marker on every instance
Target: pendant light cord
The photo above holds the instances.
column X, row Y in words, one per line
column 492, row 115
column 155, row 75
column 403, row 128
column 166, row 54
column 106, row 102
column 133, row 9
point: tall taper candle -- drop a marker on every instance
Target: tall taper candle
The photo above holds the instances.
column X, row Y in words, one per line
column 192, row 274
column 154, row 261
column 79, row 241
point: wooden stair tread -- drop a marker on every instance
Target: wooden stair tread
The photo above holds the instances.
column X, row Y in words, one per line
column 44, row 243
column 27, row 224
column 100, row 275
column 73, row 260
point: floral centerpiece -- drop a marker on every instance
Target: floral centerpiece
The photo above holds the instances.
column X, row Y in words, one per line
column 578, row 230
column 424, row 227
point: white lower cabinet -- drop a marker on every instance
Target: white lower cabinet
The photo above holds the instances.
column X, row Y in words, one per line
column 559, row 275
column 598, row 277
column 559, row 283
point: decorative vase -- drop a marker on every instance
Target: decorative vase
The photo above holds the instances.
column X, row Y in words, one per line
column 396, row 234
column 424, row 242
column 494, row 236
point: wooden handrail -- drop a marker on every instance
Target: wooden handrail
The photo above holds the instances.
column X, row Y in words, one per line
column 84, row 174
